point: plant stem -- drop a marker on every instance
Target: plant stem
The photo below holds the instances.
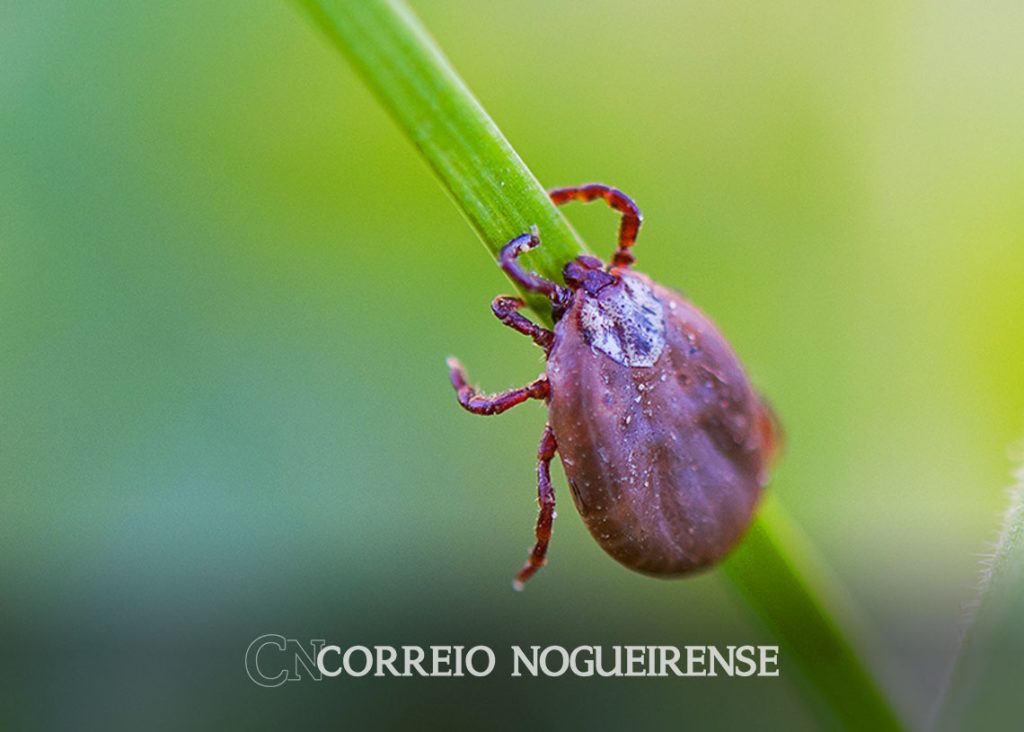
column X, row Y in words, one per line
column 775, row 571
column 488, row 181
column 502, row 199
column 986, row 682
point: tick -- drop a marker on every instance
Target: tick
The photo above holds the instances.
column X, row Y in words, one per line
column 665, row 443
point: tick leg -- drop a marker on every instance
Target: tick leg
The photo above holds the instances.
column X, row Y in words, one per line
column 506, row 307
column 631, row 216
column 546, row 500
column 529, row 281
column 773, row 438
column 477, row 403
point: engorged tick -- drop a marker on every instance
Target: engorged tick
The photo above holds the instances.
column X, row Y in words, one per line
column 664, row 441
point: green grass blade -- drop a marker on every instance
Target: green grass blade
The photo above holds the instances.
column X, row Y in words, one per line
column 986, row 681
column 502, row 199
column 774, row 570
column 487, row 179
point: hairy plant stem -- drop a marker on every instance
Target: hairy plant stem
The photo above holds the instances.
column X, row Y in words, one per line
column 502, row 199
column 986, row 681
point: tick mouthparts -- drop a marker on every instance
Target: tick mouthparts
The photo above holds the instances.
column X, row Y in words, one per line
column 594, row 282
column 587, row 273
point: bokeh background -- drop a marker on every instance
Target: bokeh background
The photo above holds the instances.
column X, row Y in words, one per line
column 228, row 284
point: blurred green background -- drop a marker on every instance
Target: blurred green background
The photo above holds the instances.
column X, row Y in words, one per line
column 227, row 287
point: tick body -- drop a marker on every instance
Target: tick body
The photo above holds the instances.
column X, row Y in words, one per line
column 664, row 441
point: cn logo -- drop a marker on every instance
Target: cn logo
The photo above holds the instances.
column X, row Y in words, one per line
column 272, row 659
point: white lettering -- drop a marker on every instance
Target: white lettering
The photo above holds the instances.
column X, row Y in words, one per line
column 532, row 665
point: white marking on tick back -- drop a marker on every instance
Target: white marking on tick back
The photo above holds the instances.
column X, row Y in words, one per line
column 626, row 322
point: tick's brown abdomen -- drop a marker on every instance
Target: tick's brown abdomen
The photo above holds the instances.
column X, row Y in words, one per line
column 665, row 458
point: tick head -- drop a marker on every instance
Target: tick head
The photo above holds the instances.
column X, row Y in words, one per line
column 587, row 273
